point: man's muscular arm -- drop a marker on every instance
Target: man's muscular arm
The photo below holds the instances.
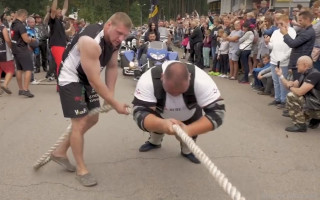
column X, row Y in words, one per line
column 89, row 58
column 111, row 72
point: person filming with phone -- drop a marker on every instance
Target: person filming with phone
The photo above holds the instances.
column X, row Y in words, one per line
column 302, row 44
column 303, row 100
column 280, row 52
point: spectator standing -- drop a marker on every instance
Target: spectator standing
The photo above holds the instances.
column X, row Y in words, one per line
column 6, row 58
column 245, row 46
column 20, row 50
column 185, row 41
column 223, row 55
column 316, row 48
column 35, row 51
column 206, row 49
column 43, row 35
column 280, row 52
column 214, row 43
column 265, row 23
column 196, row 44
column 302, row 44
column 263, row 7
column 233, row 39
column 58, row 37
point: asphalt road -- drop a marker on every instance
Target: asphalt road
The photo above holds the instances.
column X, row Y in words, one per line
column 251, row 148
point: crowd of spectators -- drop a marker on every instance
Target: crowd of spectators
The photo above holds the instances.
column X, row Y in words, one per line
column 33, row 42
column 245, row 45
column 248, row 45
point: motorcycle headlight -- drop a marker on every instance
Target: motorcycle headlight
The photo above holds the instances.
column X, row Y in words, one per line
column 131, row 64
column 157, row 57
column 134, row 42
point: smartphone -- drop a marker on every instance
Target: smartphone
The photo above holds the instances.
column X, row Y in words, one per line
column 278, row 64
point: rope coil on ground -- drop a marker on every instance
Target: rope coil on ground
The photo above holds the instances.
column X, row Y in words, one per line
column 45, row 158
column 214, row 171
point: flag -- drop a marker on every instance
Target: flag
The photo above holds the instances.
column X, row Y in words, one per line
column 154, row 11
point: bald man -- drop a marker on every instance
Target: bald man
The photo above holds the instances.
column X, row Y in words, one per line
column 176, row 93
column 303, row 100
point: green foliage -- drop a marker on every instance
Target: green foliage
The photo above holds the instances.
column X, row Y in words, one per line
column 95, row 10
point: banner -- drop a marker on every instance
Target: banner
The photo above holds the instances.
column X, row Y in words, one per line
column 154, row 11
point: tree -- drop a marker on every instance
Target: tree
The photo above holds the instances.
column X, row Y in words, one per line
column 94, row 10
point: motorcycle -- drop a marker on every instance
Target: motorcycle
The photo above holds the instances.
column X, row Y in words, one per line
column 157, row 53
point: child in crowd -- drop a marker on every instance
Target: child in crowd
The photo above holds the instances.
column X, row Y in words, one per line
column 223, row 55
column 265, row 76
column 216, row 70
column 257, row 84
column 206, row 49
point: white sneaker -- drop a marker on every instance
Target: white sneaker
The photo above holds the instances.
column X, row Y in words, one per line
column 34, row 82
column 50, row 78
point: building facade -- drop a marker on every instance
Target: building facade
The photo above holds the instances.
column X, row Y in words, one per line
column 226, row 6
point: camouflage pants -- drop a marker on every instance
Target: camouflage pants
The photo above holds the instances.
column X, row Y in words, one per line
column 297, row 112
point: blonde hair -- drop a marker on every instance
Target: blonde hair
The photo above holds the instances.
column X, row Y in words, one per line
column 284, row 18
column 121, row 17
column 22, row 12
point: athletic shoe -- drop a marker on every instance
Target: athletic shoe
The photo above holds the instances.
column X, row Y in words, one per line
column 148, row 146
column 50, row 78
column 211, row 73
column 216, row 73
column 34, row 82
column 274, row 103
column 7, row 90
column 191, row 157
column 27, row 94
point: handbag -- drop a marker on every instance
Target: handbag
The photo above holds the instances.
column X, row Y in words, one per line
column 239, row 51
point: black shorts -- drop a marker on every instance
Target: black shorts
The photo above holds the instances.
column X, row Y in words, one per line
column 24, row 61
column 78, row 99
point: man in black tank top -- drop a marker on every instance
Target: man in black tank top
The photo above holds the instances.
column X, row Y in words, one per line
column 94, row 48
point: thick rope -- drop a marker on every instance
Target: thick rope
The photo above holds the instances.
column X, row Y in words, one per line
column 45, row 158
column 214, row 171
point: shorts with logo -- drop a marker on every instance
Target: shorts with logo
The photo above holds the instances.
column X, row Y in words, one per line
column 78, row 99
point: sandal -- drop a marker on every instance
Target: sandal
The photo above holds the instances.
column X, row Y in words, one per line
column 86, row 180
column 7, row 90
column 64, row 162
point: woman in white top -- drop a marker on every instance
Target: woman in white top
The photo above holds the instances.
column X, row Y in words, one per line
column 246, row 45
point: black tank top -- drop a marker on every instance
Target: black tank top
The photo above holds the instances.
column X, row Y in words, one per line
column 71, row 69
